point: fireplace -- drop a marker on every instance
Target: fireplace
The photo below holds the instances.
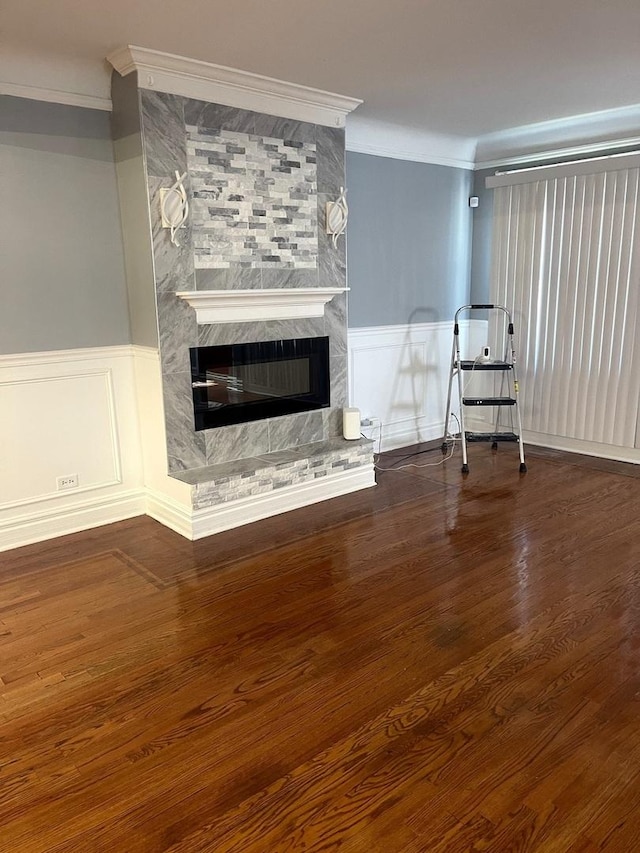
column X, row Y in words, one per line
column 238, row 383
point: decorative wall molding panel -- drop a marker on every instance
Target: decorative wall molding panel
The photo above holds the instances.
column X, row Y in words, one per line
column 75, row 414
column 70, row 412
column 218, row 84
column 400, row 375
column 241, row 306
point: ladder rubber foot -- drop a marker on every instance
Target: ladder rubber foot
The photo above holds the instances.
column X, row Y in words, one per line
column 444, row 447
column 494, row 445
column 465, row 469
column 523, row 468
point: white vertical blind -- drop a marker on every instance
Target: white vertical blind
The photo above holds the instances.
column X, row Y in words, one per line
column 566, row 260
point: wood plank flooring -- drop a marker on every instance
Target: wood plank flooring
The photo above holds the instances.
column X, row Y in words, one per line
column 437, row 664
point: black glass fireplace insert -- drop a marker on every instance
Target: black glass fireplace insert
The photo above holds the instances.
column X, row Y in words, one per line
column 237, row 383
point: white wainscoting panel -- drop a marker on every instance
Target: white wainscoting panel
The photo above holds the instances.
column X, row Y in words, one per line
column 74, row 416
column 400, row 375
column 67, row 412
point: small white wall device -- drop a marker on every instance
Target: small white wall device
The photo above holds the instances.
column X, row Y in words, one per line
column 351, row 423
column 485, row 355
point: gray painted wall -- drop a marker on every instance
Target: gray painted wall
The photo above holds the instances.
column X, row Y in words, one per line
column 408, row 240
column 482, row 235
column 63, row 283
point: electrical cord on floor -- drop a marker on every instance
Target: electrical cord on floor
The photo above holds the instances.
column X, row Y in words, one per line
column 417, row 453
column 414, row 465
column 444, row 459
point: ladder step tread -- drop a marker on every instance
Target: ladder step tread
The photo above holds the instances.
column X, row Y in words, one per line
column 487, row 365
column 489, row 401
column 490, row 436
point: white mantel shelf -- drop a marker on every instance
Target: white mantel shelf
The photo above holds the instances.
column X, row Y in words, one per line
column 243, row 306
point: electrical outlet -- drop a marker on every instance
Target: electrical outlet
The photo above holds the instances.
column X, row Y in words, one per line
column 68, row 482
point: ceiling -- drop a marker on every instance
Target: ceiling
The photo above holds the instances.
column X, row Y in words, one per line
column 464, row 68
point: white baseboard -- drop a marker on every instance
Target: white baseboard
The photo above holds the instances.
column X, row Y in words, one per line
column 38, row 525
column 404, row 433
column 588, row 448
column 215, row 519
column 169, row 512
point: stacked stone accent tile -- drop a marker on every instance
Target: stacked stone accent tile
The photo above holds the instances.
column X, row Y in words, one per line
column 254, row 200
column 261, row 475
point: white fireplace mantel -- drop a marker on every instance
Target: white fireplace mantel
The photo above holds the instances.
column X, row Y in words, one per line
column 243, row 306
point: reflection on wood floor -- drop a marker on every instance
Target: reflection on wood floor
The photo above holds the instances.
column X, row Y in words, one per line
column 436, row 664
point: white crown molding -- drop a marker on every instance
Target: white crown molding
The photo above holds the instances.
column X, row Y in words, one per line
column 241, row 306
column 192, row 78
column 53, row 96
column 566, row 137
column 562, row 153
column 381, row 139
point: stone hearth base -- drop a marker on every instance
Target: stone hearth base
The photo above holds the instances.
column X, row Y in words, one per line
column 235, row 493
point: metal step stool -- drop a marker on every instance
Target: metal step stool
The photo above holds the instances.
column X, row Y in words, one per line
column 506, row 399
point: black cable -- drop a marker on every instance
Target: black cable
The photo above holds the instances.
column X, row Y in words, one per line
column 416, row 453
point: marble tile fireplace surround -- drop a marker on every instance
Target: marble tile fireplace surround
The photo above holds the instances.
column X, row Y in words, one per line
column 253, row 264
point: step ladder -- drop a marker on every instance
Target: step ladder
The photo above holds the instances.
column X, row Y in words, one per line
column 506, row 399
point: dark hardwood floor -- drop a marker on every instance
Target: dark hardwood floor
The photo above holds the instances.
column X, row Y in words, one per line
column 436, row 664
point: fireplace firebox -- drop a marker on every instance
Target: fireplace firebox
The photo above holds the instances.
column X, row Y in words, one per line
column 238, row 383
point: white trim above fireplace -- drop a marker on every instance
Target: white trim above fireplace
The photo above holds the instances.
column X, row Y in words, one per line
column 243, row 306
column 192, row 78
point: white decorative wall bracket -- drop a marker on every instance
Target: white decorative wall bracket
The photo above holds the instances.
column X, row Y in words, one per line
column 337, row 215
column 243, row 306
column 174, row 206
